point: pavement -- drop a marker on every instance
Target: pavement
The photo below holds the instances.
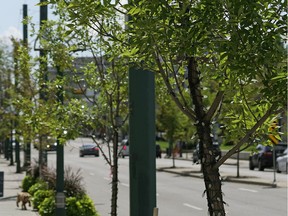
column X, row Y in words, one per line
column 230, row 175
column 12, row 185
column 12, row 182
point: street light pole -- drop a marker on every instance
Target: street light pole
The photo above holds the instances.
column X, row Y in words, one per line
column 27, row 149
column 44, row 69
column 60, row 196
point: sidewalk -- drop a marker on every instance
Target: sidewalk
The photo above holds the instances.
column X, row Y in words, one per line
column 246, row 177
column 12, row 183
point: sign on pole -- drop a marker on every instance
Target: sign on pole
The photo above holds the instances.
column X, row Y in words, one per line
column 273, row 135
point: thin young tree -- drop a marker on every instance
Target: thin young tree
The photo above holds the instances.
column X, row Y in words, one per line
column 236, row 44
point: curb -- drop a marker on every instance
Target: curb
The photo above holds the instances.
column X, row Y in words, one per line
column 247, row 180
column 7, row 198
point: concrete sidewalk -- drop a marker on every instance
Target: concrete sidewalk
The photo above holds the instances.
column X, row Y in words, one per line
column 12, row 183
column 247, row 176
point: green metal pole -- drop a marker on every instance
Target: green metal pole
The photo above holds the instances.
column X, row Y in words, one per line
column 60, row 196
column 44, row 69
column 25, row 26
column 17, row 155
column 7, row 148
column 142, row 142
column 27, row 151
column 11, row 146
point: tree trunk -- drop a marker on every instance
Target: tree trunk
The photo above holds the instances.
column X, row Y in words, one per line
column 211, row 174
column 114, row 170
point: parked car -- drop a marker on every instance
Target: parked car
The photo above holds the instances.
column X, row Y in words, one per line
column 282, row 162
column 216, row 150
column 89, row 149
column 264, row 157
column 51, row 146
column 158, row 151
column 123, row 149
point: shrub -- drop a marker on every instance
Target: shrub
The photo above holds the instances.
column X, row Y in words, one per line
column 34, row 170
column 39, row 185
column 40, row 196
column 72, row 181
column 27, row 182
column 81, row 207
column 47, row 207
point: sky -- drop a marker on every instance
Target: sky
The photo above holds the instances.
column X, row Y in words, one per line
column 11, row 16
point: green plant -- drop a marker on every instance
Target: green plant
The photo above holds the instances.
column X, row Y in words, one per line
column 72, row 181
column 27, row 182
column 80, row 207
column 47, row 207
column 40, row 196
column 39, row 185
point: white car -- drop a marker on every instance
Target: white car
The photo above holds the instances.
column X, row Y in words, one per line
column 123, row 148
column 282, row 162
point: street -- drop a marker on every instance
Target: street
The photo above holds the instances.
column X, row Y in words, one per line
column 176, row 195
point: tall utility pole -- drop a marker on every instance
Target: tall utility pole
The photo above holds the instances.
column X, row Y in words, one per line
column 43, row 69
column 27, row 155
column 60, row 196
column 142, row 142
column 14, row 110
column 142, row 163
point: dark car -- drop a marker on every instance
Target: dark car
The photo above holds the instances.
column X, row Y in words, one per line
column 216, row 151
column 264, row 157
column 88, row 149
column 51, row 146
column 158, row 151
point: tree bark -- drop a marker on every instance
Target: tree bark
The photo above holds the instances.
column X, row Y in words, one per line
column 210, row 172
column 114, row 170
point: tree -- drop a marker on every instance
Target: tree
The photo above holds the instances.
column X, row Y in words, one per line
column 101, row 81
column 107, row 108
column 237, row 45
column 6, row 87
column 174, row 124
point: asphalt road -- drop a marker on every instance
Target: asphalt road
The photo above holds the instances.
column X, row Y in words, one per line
column 176, row 195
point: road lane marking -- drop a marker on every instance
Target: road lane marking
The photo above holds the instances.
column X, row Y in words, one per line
column 108, row 179
column 245, row 189
column 126, row 185
column 191, row 206
column 92, row 174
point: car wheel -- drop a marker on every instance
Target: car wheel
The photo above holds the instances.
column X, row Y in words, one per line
column 260, row 166
column 277, row 168
column 81, row 155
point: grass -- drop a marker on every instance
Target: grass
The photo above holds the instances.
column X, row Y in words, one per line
column 165, row 144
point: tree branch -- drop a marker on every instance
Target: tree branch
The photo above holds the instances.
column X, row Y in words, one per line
column 214, row 106
column 247, row 136
column 188, row 112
